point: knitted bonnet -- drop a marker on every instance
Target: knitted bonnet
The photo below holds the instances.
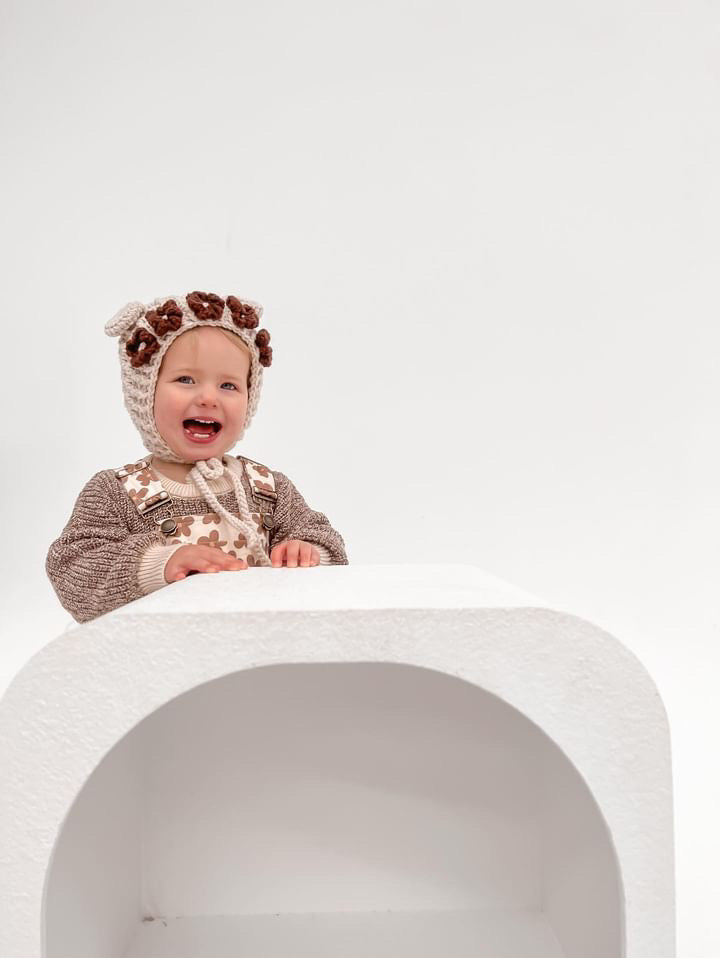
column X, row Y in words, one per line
column 146, row 332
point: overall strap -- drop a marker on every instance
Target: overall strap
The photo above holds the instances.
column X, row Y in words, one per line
column 143, row 486
column 262, row 487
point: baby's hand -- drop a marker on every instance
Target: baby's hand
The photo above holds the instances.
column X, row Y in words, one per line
column 294, row 552
column 189, row 559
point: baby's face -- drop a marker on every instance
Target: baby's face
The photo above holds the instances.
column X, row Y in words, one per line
column 201, row 395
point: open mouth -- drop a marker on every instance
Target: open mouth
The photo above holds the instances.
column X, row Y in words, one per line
column 201, row 430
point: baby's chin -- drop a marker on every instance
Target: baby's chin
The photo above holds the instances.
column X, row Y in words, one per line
column 189, row 456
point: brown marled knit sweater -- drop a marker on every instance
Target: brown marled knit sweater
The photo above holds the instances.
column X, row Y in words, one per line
column 93, row 565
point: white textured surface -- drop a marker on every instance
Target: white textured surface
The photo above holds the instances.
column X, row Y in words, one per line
column 95, row 907
column 374, row 587
column 78, row 697
column 509, row 934
column 343, row 787
column 321, row 788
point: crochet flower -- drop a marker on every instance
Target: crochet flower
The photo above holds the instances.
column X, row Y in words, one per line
column 166, row 318
column 243, row 314
column 262, row 340
column 141, row 347
column 205, row 305
column 211, row 517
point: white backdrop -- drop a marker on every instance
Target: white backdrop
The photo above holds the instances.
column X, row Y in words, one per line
column 486, row 240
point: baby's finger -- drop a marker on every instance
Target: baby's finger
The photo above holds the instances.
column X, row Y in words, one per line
column 293, row 549
column 229, row 562
column 278, row 554
column 204, row 565
column 221, row 560
column 305, row 554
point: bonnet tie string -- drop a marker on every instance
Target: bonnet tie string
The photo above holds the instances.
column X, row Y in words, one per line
column 214, row 469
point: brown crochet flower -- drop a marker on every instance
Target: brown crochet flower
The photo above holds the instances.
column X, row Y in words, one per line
column 211, row 517
column 137, row 494
column 205, row 305
column 261, row 471
column 243, row 314
column 262, row 341
column 258, row 522
column 143, row 477
column 165, row 318
column 263, row 486
column 141, row 347
column 240, row 542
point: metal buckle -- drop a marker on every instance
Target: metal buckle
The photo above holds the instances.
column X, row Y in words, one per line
column 167, row 526
column 264, row 494
column 135, row 467
column 154, row 502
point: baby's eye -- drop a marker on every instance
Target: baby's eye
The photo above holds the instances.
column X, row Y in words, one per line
column 232, row 385
column 180, row 378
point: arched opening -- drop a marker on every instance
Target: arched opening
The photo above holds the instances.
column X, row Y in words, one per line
column 325, row 809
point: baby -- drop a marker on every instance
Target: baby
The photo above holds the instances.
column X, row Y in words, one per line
column 191, row 374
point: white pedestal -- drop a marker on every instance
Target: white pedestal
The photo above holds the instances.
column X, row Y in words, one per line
column 379, row 760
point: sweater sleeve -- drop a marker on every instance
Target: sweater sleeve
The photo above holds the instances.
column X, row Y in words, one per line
column 294, row 519
column 151, row 570
column 93, row 565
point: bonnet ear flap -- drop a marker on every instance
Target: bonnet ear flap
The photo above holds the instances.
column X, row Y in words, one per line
column 124, row 319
